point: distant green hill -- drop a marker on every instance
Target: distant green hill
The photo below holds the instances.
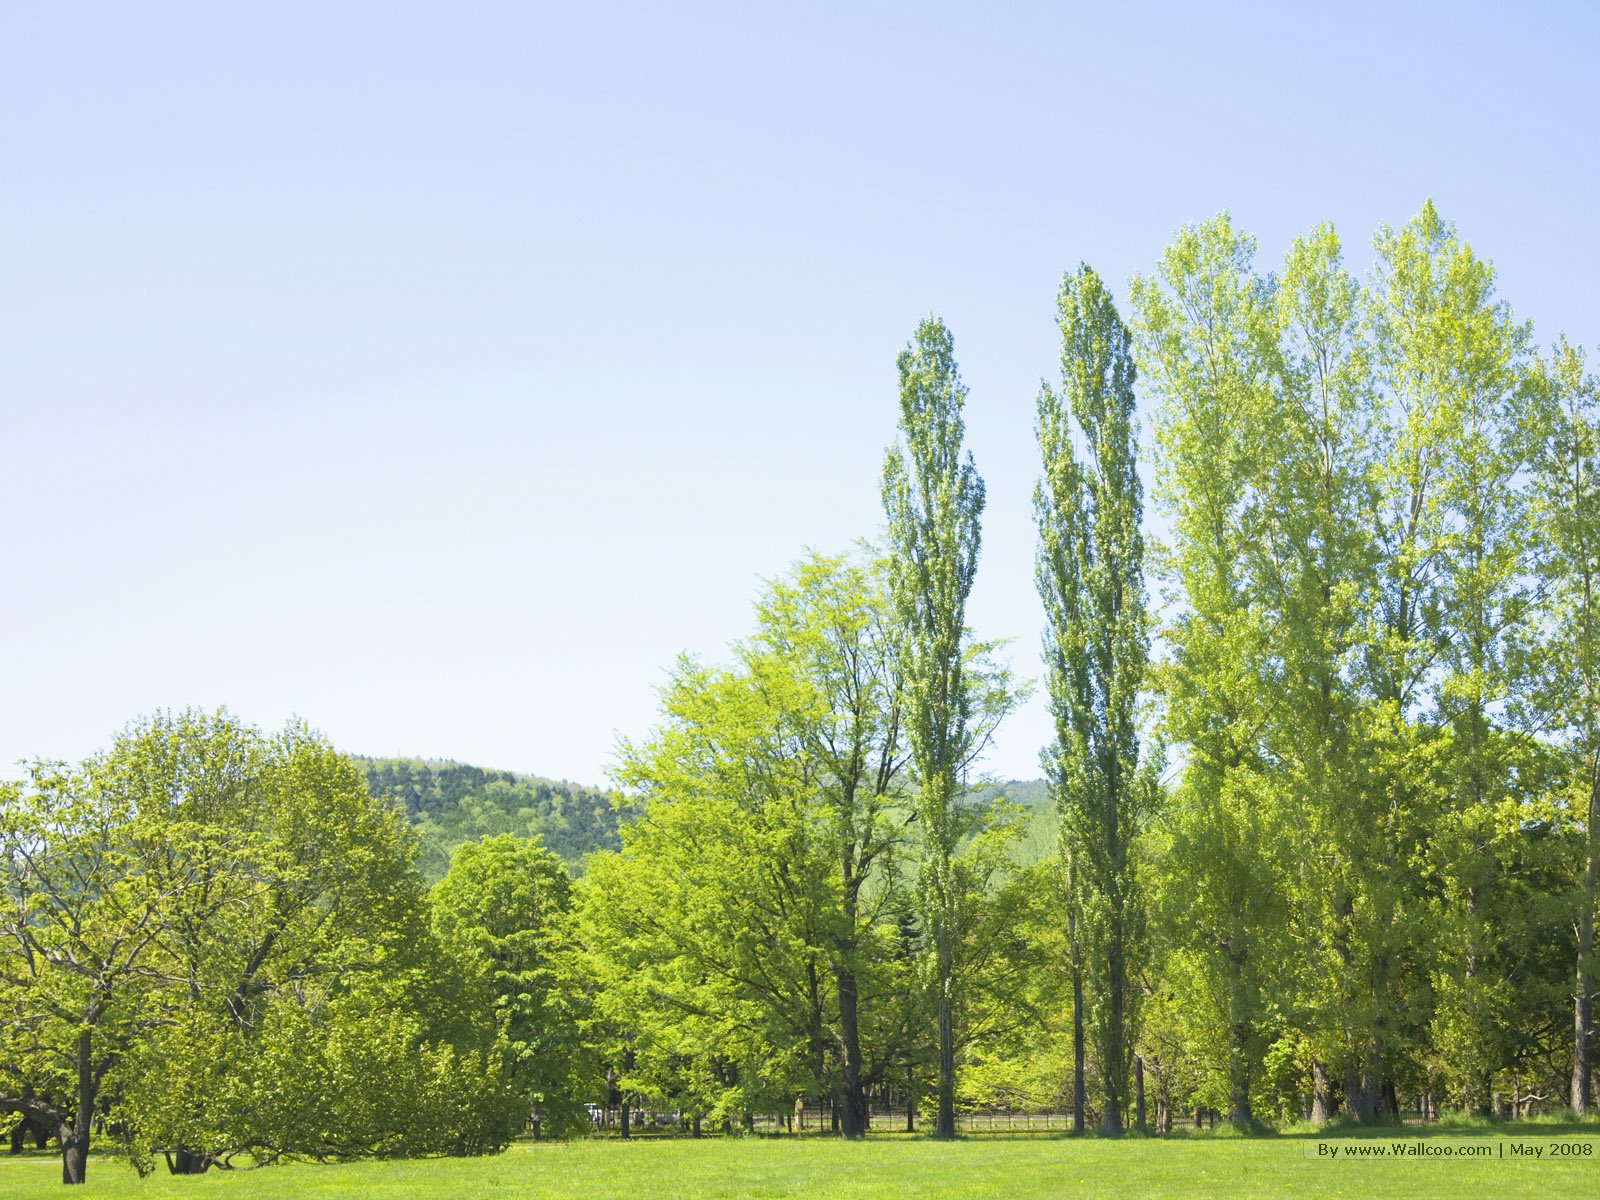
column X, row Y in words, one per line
column 451, row 803
column 1033, row 795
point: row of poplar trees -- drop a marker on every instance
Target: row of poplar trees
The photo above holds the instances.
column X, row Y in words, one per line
column 1091, row 579
column 1326, row 805
column 1373, row 874
column 1372, row 869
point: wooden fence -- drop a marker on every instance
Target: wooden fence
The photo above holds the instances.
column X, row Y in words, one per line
column 818, row 1121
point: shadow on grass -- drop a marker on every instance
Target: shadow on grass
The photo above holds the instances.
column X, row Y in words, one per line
column 1557, row 1124
column 1551, row 1125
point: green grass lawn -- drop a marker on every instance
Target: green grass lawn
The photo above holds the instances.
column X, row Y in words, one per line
column 887, row 1167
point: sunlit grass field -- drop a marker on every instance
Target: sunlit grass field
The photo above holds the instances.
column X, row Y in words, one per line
column 899, row 1169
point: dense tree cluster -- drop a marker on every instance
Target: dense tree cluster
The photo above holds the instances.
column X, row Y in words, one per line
column 764, row 933
column 214, row 947
column 1368, row 875
column 1317, row 834
column 1376, row 871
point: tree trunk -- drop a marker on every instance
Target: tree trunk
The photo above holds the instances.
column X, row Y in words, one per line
column 1486, row 1095
column 1163, row 1098
column 1323, row 1104
column 1114, row 1081
column 694, row 1126
column 1583, row 995
column 627, row 1121
column 1582, row 1025
column 1114, row 1053
column 852, row 1095
column 945, row 1121
column 187, row 1162
column 1078, row 1096
column 74, row 1138
column 74, row 1153
column 1138, row 1092
column 1239, row 1112
column 1361, row 1098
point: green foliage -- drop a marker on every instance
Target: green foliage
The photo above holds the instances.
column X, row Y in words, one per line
column 758, row 937
column 1564, row 650
column 1091, row 581
column 358, row 1075
column 1018, row 1055
column 1351, row 472
column 933, row 501
column 81, row 921
column 748, row 939
column 1205, row 329
column 504, row 912
column 220, row 943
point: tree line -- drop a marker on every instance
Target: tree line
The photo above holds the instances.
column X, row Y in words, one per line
column 1326, row 806
column 1326, row 768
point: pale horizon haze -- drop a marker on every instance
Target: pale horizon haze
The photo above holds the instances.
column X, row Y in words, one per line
column 439, row 373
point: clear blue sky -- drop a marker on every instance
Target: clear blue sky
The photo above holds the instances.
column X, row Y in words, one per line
column 439, row 372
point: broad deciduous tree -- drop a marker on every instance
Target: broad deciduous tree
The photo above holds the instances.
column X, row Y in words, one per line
column 221, row 934
column 504, row 912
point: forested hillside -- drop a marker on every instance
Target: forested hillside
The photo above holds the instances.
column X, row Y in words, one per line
column 1042, row 826
column 451, row 803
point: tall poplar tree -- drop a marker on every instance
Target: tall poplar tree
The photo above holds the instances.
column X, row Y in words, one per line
column 1208, row 353
column 1568, row 700
column 1449, row 359
column 1090, row 578
column 1347, row 474
column 1315, row 561
column 933, row 499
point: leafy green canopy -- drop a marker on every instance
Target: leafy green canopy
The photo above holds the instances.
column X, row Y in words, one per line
column 215, row 938
column 1365, row 817
column 504, row 912
column 758, row 937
